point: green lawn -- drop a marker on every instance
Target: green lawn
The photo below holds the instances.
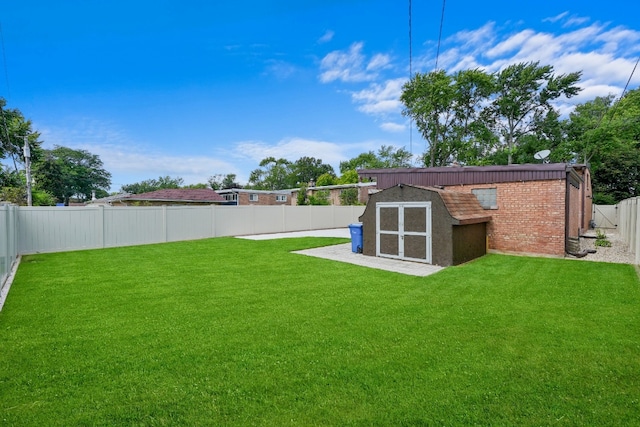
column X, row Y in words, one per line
column 235, row 332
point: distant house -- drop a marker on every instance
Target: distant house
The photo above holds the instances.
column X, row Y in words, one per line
column 334, row 192
column 177, row 196
column 247, row 197
column 534, row 208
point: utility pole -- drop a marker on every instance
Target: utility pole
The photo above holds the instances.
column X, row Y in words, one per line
column 27, row 168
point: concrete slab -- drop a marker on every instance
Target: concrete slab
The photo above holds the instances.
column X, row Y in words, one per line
column 343, row 253
column 331, row 232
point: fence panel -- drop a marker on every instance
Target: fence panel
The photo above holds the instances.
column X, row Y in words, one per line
column 189, row 222
column 8, row 241
column 52, row 229
column 629, row 225
column 55, row 229
column 133, row 226
column 606, row 216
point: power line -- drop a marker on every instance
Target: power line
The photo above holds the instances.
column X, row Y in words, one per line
column 615, row 105
column 440, row 33
column 410, row 77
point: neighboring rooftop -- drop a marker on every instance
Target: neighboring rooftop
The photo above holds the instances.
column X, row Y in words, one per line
column 466, row 175
column 191, row 195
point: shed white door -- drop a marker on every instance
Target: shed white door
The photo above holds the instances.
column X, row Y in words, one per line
column 403, row 230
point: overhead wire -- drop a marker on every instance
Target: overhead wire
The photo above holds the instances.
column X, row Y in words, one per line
column 410, row 77
column 440, row 34
column 613, row 112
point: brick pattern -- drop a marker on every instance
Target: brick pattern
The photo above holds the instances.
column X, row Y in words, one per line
column 530, row 217
column 263, row 199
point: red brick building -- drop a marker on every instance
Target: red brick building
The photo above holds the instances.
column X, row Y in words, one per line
column 535, row 208
column 247, row 197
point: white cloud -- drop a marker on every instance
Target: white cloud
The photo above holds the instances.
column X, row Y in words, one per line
column 326, row 37
column 128, row 160
column 393, row 127
column 379, row 61
column 292, row 149
column 282, row 70
column 556, row 18
column 380, row 98
column 606, row 56
column 349, row 66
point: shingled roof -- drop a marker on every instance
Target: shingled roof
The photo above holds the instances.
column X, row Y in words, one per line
column 186, row 195
column 464, row 207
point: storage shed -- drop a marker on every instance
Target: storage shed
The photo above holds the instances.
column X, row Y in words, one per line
column 424, row 224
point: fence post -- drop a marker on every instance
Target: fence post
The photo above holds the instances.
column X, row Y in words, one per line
column 6, row 248
column 635, row 245
column 103, row 233
column 164, row 223
column 213, row 220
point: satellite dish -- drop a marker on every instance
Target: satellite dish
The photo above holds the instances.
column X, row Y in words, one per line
column 543, row 155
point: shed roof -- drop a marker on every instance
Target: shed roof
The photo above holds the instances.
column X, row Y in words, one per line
column 465, row 175
column 464, row 207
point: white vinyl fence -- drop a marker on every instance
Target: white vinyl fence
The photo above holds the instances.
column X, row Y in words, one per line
column 629, row 224
column 8, row 241
column 57, row 229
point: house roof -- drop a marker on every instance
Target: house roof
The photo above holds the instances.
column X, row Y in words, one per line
column 193, row 195
column 247, row 190
column 466, row 175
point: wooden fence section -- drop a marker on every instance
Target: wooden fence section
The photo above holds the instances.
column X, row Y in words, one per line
column 629, row 224
column 8, row 241
column 58, row 229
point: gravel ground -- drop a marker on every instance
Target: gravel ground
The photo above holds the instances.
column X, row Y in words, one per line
column 618, row 252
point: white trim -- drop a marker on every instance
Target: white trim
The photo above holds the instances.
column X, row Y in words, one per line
column 400, row 233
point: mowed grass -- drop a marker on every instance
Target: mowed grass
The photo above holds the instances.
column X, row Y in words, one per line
column 234, row 332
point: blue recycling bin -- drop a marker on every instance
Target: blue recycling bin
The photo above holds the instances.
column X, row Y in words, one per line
column 356, row 238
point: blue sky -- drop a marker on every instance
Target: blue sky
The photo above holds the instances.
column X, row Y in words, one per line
column 196, row 88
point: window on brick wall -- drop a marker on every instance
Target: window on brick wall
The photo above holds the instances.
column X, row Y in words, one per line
column 253, row 197
column 281, row 198
column 488, row 197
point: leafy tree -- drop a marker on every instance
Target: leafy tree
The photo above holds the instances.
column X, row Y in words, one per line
column 367, row 160
column 146, row 186
column 618, row 177
column 273, row 174
column 386, row 157
column 13, row 128
column 349, row 177
column 319, row 198
column 428, row 100
column 199, row 185
column 307, row 169
column 326, row 178
column 220, row 181
column 522, row 99
column 349, row 196
column 449, row 113
column 67, row 173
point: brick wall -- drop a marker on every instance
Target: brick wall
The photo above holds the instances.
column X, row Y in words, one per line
column 530, row 217
column 263, row 199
